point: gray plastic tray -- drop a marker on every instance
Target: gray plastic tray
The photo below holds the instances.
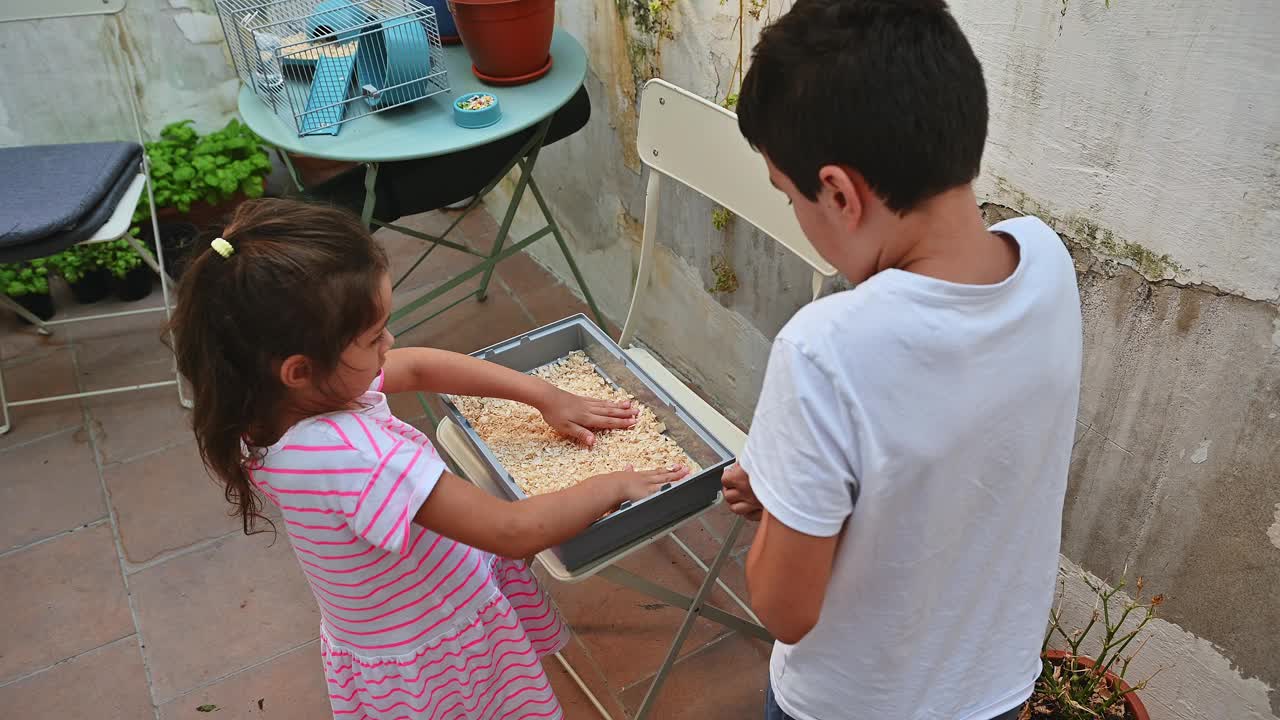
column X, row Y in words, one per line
column 635, row 520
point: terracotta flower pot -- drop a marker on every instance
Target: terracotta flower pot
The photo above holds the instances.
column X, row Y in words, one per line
column 1132, row 704
column 203, row 215
column 509, row 40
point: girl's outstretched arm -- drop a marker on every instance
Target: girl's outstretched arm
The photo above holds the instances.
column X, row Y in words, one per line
column 440, row 371
column 461, row 511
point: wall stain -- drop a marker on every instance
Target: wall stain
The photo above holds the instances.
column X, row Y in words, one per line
column 1188, row 311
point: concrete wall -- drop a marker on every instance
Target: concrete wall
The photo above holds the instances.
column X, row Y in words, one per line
column 66, row 79
column 1148, row 134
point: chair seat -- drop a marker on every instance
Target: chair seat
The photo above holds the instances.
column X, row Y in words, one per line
column 710, row 418
column 121, row 217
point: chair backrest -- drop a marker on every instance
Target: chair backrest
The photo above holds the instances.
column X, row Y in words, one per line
column 696, row 143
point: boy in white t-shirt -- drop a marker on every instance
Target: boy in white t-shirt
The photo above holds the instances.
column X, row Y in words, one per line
column 908, row 457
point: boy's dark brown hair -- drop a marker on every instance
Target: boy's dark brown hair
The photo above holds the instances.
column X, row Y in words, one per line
column 303, row 279
column 888, row 88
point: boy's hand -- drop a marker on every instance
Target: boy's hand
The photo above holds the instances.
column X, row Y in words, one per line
column 737, row 492
column 632, row 485
column 576, row 416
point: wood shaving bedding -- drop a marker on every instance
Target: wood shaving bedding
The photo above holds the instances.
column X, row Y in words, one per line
column 541, row 460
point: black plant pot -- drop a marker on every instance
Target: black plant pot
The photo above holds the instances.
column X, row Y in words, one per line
column 92, row 286
column 135, row 285
column 39, row 305
column 177, row 239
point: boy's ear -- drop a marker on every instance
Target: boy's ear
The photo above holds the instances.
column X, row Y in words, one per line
column 845, row 193
column 295, row 372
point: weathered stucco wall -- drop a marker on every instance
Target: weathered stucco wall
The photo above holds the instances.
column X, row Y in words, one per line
column 66, row 79
column 1149, row 136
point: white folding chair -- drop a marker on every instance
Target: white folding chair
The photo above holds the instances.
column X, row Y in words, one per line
column 116, row 227
column 696, row 143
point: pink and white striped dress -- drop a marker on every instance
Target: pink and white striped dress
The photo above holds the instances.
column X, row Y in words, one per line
column 413, row 624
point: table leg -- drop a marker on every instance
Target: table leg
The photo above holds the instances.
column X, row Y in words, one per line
column 564, row 249
column 526, row 174
column 684, row 602
column 293, row 172
column 696, row 608
column 370, row 193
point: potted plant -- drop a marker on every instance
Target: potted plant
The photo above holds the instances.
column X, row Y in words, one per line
column 199, row 178
column 78, row 265
column 509, row 41
column 1076, row 686
column 131, row 279
column 28, row 284
column 177, row 238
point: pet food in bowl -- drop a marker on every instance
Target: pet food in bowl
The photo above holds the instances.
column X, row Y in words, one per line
column 476, row 110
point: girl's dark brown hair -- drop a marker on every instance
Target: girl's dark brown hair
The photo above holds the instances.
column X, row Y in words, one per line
column 302, row 280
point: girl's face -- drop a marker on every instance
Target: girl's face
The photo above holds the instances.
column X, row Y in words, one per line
column 363, row 358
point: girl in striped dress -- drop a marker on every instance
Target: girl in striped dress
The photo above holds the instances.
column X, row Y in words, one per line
column 281, row 329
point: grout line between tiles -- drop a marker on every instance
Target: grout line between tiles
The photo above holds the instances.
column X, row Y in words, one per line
column 237, row 671
column 48, row 436
column 705, row 647
column 55, row 536
column 132, row 568
column 616, row 695
column 148, row 453
column 115, row 535
column 63, row 661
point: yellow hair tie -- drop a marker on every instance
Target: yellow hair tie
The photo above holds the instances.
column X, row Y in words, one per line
column 222, row 247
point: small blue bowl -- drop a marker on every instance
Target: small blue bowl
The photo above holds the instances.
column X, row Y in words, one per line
column 476, row 119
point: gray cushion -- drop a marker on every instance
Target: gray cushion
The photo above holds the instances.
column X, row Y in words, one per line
column 84, row 230
column 51, row 189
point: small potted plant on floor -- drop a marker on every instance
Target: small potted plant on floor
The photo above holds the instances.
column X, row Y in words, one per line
column 78, row 265
column 131, row 279
column 28, row 284
column 1076, row 686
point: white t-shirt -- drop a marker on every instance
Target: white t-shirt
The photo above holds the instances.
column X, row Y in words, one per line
column 932, row 424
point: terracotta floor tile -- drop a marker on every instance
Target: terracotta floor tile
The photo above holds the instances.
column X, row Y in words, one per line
column 108, row 683
column 290, row 687
column 18, row 339
column 48, row 487
column 113, row 327
column 720, row 518
column 406, row 406
column 442, row 264
column 576, row 704
column 706, row 546
column 40, row 374
column 128, row 357
column 132, row 424
column 628, row 633
column 551, row 303
column 60, row 599
column 471, row 325
column 166, row 501
column 724, row 681
column 523, row 276
column 214, row 611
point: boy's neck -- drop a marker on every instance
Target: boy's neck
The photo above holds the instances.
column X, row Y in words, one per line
column 944, row 238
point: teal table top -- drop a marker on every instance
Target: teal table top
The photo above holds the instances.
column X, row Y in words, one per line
column 426, row 128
